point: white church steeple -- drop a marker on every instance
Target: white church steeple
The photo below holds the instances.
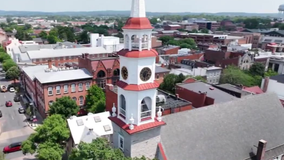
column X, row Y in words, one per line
column 138, row 8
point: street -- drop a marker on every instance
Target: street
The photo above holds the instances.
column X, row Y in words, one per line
column 14, row 128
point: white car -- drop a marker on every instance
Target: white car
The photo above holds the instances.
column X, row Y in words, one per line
column 12, row 89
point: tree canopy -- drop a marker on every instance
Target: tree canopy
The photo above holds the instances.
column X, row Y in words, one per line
column 170, row 81
column 64, row 106
column 183, row 43
column 95, row 99
column 4, row 56
column 9, row 63
column 234, row 75
column 257, row 69
column 99, row 149
column 13, row 73
column 48, row 140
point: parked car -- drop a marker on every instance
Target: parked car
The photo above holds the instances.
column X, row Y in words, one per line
column 9, row 104
column 12, row 89
column 22, row 110
column 0, row 114
column 17, row 99
column 12, row 147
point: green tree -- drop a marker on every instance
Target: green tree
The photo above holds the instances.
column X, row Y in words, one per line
column 43, row 35
column 99, row 149
column 2, row 50
column 4, row 56
column 257, row 69
column 270, row 73
column 233, row 75
column 52, row 39
column 154, row 20
column 166, row 39
column 95, row 99
column 9, row 63
column 84, row 37
column 48, row 140
column 64, row 106
column 13, row 73
column 200, row 78
column 204, row 31
column 170, row 81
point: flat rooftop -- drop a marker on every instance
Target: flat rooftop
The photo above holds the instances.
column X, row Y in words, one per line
column 52, row 53
column 171, row 100
column 217, row 94
column 278, row 78
column 233, row 88
column 45, row 75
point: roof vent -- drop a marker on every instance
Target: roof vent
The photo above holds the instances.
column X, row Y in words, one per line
column 107, row 128
column 80, row 122
column 97, row 119
column 211, row 88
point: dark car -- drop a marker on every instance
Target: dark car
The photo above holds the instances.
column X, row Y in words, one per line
column 9, row 104
column 0, row 113
column 12, row 147
column 17, row 99
column 21, row 110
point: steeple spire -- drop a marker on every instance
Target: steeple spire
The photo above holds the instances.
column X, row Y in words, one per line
column 138, row 8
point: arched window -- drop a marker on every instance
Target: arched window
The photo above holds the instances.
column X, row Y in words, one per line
column 146, row 108
column 145, row 38
column 75, row 99
column 122, row 105
column 101, row 74
column 116, row 72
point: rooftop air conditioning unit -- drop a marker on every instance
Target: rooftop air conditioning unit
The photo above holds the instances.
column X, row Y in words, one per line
column 161, row 99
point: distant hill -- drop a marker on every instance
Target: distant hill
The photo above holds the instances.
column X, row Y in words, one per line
column 126, row 13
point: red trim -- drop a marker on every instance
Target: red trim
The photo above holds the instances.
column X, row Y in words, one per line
column 136, row 87
column 145, row 119
column 136, row 129
column 138, row 54
column 137, row 23
column 162, row 151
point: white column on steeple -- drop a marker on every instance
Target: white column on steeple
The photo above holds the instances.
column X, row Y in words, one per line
column 138, row 8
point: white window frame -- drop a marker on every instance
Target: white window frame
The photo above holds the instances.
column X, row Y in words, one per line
column 88, row 85
column 80, row 86
column 50, row 89
column 80, row 100
column 58, row 91
column 73, row 89
column 65, row 88
column 119, row 144
column 50, row 103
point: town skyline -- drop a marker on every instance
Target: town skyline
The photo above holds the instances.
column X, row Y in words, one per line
column 151, row 6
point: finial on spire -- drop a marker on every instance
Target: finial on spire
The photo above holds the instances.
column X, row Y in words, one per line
column 113, row 110
column 131, row 122
column 138, row 8
column 159, row 114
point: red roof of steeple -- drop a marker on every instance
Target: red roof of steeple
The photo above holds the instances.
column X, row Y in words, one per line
column 138, row 23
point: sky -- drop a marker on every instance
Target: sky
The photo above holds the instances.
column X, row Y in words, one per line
column 212, row 6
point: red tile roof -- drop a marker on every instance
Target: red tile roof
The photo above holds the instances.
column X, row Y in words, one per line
column 135, row 87
column 138, row 23
column 108, row 63
column 136, row 129
column 138, row 54
column 254, row 89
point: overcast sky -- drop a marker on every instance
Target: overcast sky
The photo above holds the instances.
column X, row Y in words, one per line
column 213, row 6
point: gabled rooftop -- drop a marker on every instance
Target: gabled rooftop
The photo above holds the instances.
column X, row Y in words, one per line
column 225, row 131
column 89, row 127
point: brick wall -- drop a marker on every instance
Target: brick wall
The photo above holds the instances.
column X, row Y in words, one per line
column 197, row 99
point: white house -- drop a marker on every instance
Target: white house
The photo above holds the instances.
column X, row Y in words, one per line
column 89, row 127
column 110, row 43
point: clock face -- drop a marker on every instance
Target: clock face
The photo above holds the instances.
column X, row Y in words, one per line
column 145, row 74
column 124, row 72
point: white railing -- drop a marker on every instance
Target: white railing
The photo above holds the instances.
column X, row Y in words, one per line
column 145, row 114
column 136, row 46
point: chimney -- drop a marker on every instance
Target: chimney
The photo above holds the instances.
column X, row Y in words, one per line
column 49, row 64
column 109, row 87
column 203, row 96
column 265, row 85
column 261, row 150
column 177, row 96
column 83, row 55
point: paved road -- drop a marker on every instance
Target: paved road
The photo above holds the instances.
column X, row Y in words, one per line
column 13, row 125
